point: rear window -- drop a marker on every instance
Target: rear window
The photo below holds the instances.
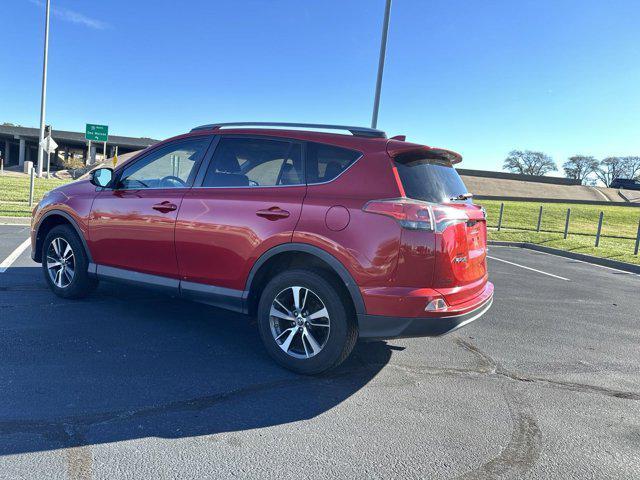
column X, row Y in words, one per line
column 429, row 179
column 325, row 162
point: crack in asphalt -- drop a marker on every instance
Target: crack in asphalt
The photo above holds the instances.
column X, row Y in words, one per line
column 523, row 448
column 489, row 366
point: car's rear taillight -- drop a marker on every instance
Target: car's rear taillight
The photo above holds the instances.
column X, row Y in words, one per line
column 410, row 214
column 446, row 216
column 417, row 215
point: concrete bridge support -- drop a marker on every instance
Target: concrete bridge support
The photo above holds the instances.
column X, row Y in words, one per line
column 7, row 152
column 21, row 154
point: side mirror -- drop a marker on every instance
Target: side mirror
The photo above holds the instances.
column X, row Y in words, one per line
column 101, row 177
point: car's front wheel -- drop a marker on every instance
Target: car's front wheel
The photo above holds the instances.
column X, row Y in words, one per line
column 65, row 262
column 305, row 322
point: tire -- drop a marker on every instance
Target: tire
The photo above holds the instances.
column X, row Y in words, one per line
column 335, row 333
column 74, row 281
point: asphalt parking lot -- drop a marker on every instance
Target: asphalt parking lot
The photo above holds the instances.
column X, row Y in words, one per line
column 129, row 384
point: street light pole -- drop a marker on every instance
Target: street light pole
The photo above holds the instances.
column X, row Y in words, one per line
column 43, row 99
column 383, row 52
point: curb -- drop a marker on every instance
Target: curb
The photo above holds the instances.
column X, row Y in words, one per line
column 15, row 220
column 605, row 262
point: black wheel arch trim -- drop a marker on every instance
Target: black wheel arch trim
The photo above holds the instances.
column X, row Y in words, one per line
column 332, row 261
column 35, row 254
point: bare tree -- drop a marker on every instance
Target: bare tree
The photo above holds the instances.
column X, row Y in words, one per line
column 631, row 167
column 529, row 163
column 610, row 168
column 579, row 167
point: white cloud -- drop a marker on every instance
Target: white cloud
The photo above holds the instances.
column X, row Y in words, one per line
column 73, row 17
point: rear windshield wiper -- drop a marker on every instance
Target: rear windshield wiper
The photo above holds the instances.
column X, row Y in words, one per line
column 462, row 196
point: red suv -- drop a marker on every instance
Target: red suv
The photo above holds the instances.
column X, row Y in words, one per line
column 323, row 237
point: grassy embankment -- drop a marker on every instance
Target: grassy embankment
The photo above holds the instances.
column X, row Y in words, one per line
column 519, row 222
column 14, row 194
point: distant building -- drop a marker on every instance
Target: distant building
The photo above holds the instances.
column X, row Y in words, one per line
column 20, row 144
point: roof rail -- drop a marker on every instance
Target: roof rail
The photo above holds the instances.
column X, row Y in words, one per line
column 356, row 131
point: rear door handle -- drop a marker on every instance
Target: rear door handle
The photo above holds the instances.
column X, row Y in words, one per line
column 273, row 213
column 165, row 206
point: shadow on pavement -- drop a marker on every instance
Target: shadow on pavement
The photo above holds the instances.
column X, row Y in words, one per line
column 125, row 364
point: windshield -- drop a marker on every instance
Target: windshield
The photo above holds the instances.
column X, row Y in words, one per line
column 430, row 180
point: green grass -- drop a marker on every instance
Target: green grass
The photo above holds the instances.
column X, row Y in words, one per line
column 14, row 194
column 15, row 209
column 519, row 222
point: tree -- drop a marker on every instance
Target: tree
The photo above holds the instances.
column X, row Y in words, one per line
column 610, row 168
column 631, row 167
column 579, row 167
column 529, row 163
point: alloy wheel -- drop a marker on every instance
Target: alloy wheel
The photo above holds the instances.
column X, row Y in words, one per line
column 300, row 322
column 60, row 262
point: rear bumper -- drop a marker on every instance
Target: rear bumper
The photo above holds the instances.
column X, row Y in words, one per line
column 385, row 327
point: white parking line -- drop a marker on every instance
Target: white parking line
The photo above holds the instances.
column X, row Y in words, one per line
column 573, row 260
column 6, row 263
column 591, row 264
column 528, row 268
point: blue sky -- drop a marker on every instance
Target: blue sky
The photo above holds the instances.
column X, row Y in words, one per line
column 479, row 77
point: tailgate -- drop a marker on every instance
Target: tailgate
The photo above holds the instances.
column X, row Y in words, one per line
column 461, row 259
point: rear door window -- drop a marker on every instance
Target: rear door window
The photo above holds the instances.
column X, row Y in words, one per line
column 254, row 162
column 326, row 162
column 431, row 180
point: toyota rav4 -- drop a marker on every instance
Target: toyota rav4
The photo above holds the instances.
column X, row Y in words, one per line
column 323, row 237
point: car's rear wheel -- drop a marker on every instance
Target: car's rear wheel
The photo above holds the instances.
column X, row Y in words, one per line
column 65, row 262
column 305, row 323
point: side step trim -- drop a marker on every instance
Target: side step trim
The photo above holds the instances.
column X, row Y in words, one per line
column 226, row 298
column 137, row 278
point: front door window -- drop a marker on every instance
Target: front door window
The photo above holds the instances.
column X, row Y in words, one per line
column 170, row 167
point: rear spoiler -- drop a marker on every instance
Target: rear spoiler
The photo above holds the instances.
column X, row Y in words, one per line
column 396, row 148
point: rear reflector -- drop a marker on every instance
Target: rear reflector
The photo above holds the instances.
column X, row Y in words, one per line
column 417, row 215
column 436, row 305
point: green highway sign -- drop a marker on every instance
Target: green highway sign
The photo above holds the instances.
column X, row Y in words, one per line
column 97, row 133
